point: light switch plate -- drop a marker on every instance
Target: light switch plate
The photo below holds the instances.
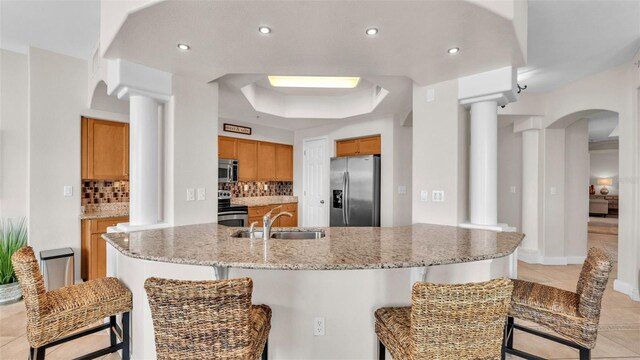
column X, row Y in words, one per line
column 437, row 196
column 553, row 190
column 402, row 190
column 431, row 94
column 68, row 191
column 191, row 194
column 512, row 189
column 202, row 194
column 424, row 195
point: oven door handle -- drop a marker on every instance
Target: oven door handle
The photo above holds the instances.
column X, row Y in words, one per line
column 233, row 213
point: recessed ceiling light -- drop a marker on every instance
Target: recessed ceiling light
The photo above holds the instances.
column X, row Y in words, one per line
column 372, row 31
column 264, row 30
column 329, row 82
column 184, row 47
column 453, row 50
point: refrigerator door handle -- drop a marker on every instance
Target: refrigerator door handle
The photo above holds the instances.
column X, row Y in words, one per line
column 344, row 204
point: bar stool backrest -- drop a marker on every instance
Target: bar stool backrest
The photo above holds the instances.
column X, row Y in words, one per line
column 201, row 319
column 31, row 281
column 592, row 283
column 462, row 321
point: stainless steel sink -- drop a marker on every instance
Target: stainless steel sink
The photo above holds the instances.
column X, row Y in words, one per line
column 285, row 235
column 297, row 235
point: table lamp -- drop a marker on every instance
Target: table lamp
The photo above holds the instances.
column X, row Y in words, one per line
column 605, row 182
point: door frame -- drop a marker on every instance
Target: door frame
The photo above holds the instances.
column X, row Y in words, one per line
column 325, row 174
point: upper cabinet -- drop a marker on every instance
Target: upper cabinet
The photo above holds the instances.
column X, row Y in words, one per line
column 266, row 161
column 363, row 146
column 258, row 160
column 104, row 149
column 284, row 162
column 227, row 148
column 247, row 160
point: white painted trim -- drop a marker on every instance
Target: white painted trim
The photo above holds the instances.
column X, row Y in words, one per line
column 626, row 289
column 529, row 257
column 576, row 259
column 535, row 258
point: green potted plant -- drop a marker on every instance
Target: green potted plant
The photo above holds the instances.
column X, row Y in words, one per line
column 13, row 236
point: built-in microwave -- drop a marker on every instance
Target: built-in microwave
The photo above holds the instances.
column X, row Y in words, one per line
column 227, row 170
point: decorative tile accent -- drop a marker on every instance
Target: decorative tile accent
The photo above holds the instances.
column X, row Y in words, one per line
column 97, row 192
column 256, row 188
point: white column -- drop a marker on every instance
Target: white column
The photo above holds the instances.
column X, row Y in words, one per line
column 143, row 160
column 483, row 177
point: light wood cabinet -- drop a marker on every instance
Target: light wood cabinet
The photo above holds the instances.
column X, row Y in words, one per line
column 93, row 249
column 363, row 146
column 247, row 160
column 284, row 162
column 104, row 149
column 266, row 161
column 258, row 160
column 227, row 148
column 257, row 212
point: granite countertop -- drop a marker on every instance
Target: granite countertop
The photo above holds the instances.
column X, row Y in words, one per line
column 103, row 214
column 103, row 211
column 264, row 200
column 341, row 249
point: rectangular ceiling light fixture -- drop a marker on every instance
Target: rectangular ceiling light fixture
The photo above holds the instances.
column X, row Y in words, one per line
column 328, row 82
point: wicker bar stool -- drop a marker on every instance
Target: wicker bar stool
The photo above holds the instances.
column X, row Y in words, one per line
column 463, row 321
column 52, row 316
column 207, row 319
column 574, row 315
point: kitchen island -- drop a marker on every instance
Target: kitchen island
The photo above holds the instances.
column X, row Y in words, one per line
column 342, row 277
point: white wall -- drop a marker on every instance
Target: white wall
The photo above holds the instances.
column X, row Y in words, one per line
column 13, row 134
column 383, row 127
column 604, row 164
column 576, row 190
column 509, row 175
column 191, row 139
column 57, row 95
column 258, row 132
column 403, row 161
column 440, row 154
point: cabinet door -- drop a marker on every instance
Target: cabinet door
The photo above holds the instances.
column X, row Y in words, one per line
column 369, row 146
column 346, row 147
column 227, row 148
column 286, row 221
column 98, row 263
column 284, row 162
column 266, row 161
column 247, row 160
column 107, row 150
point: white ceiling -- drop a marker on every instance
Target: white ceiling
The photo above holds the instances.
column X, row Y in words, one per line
column 66, row 27
column 571, row 39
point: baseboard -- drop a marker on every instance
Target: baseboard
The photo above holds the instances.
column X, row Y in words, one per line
column 627, row 289
column 535, row 258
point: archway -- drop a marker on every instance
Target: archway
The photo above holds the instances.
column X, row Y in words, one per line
column 100, row 100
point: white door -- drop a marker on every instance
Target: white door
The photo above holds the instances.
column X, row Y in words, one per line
column 314, row 180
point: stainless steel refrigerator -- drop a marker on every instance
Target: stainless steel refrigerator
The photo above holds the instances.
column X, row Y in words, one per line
column 355, row 191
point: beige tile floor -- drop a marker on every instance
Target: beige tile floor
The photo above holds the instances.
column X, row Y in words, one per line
column 618, row 338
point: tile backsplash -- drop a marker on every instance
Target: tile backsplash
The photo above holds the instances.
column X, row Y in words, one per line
column 256, row 188
column 104, row 192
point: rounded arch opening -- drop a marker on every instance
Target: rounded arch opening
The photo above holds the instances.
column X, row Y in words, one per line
column 100, row 100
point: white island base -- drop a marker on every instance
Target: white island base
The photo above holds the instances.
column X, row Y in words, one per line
column 346, row 299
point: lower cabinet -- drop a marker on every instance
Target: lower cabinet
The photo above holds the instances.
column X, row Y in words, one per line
column 257, row 212
column 93, row 250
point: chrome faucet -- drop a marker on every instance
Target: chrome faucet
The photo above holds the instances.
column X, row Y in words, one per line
column 252, row 229
column 267, row 220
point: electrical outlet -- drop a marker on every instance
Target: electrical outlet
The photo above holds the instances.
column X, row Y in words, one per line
column 68, row 191
column 266, row 187
column 246, row 187
column 424, row 195
column 402, row 190
column 202, row 194
column 553, row 190
column 512, row 189
column 437, row 196
column 318, row 326
column 191, row 194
